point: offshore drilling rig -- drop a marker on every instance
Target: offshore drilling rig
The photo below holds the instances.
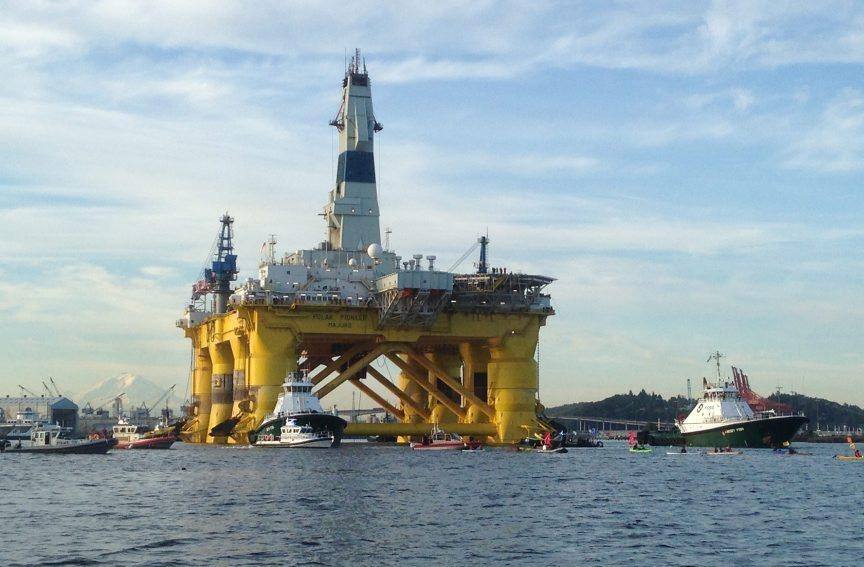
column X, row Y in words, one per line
column 464, row 344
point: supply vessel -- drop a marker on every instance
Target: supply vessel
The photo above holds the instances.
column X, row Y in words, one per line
column 723, row 418
column 462, row 344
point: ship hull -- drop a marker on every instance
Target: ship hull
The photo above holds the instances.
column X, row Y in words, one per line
column 148, row 443
column 755, row 434
column 97, row 447
column 269, row 432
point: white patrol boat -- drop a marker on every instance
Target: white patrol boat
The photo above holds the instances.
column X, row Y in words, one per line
column 722, row 418
column 48, row 438
column 300, row 436
column 297, row 417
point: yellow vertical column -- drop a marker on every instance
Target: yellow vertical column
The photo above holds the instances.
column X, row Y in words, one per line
column 417, row 394
column 240, row 353
column 450, row 362
column 272, row 354
column 221, row 387
column 513, row 381
column 201, row 396
column 475, row 359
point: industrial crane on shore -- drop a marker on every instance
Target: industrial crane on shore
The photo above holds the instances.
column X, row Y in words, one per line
column 158, row 401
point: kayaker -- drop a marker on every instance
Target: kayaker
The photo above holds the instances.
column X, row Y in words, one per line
column 547, row 440
column 683, row 448
column 857, row 454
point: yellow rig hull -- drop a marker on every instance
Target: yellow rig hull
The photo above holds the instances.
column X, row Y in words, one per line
column 470, row 373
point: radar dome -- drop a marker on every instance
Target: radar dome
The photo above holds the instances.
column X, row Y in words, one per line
column 352, row 262
column 375, row 251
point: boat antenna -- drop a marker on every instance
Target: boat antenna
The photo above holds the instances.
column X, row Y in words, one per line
column 716, row 356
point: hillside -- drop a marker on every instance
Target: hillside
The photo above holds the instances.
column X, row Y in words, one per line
column 651, row 407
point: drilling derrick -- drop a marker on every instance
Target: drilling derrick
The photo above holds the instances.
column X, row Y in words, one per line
column 463, row 344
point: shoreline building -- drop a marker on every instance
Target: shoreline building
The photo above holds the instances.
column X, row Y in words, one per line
column 58, row 410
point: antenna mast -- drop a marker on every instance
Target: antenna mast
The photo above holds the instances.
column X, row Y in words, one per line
column 716, row 356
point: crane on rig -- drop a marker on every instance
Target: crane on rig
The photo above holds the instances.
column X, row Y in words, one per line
column 217, row 278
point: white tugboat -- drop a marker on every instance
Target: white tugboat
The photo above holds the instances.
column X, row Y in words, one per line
column 722, row 418
column 298, row 418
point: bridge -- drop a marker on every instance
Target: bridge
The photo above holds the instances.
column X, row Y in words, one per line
column 585, row 423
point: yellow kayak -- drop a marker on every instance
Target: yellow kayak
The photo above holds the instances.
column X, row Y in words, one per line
column 848, row 458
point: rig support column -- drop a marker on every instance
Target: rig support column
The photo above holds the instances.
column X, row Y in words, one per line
column 221, row 387
column 272, row 354
column 452, row 364
column 201, row 399
column 513, row 382
column 475, row 359
column 417, row 394
column 240, row 353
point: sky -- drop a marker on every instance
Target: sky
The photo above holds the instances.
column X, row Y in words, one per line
column 690, row 173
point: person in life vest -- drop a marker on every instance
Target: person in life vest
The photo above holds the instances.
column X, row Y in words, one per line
column 547, row 440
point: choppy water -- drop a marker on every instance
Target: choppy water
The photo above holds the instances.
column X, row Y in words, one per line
column 364, row 505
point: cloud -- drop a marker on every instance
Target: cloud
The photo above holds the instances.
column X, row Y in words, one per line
column 835, row 143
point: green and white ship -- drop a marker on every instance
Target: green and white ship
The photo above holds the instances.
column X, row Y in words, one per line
column 722, row 418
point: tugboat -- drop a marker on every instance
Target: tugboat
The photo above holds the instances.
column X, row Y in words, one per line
column 442, row 441
column 130, row 436
column 49, row 439
column 722, row 418
column 297, row 404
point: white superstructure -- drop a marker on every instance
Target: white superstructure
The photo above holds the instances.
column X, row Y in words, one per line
column 296, row 397
column 720, row 404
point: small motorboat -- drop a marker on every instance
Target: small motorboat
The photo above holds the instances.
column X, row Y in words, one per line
column 130, row 436
column 48, row 439
column 443, row 441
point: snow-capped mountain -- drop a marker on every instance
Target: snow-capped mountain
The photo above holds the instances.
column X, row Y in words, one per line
column 138, row 390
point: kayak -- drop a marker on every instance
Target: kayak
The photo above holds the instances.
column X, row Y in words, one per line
column 848, row 458
column 680, row 453
column 635, row 450
column 724, row 453
column 555, row 450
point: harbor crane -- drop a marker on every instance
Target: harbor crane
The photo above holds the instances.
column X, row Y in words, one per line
column 53, row 383
column 26, row 391
column 158, row 401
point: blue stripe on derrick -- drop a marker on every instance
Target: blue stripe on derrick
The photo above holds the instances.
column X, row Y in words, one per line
column 356, row 166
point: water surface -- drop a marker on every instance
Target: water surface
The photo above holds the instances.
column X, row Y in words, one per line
column 369, row 505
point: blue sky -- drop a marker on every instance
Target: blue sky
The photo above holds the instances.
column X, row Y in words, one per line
column 690, row 172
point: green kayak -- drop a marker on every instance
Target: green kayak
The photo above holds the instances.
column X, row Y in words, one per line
column 640, row 449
